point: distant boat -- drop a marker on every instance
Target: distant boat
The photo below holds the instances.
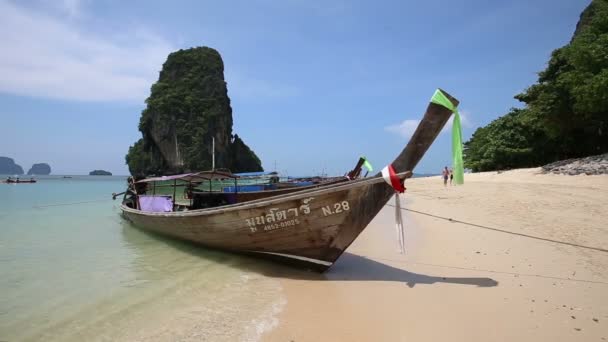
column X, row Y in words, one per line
column 310, row 226
column 19, row 181
column 67, row 177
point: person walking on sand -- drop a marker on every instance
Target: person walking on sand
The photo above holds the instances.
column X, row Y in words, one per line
column 446, row 174
column 451, row 176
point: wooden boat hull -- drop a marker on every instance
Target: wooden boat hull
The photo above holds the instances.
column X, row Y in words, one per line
column 314, row 226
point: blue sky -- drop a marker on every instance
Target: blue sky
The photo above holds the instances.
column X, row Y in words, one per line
column 313, row 84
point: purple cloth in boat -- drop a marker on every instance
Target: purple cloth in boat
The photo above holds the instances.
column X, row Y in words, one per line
column 156, row 204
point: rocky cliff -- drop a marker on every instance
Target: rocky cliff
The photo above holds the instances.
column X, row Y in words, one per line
column 8, row 167
column 40, row 169
column 187, row 107
column 566, row 110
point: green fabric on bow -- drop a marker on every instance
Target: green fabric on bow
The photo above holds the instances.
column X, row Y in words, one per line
column 367, row 164
column 458, row 165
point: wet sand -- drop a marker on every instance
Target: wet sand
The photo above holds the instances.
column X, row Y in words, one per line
column 463, row 282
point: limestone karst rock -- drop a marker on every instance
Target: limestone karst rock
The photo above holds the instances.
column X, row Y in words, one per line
column 187, row 107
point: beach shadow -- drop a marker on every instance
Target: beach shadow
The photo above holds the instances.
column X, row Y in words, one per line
column 349, row 267
column 352, row 267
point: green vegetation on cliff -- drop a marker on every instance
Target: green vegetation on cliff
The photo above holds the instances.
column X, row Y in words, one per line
column 566, row 112
column 187, row 108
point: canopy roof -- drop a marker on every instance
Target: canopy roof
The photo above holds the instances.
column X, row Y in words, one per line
column 193, row 177
column 256, row 174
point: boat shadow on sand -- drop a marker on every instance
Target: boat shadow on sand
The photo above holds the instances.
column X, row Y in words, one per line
column 350, row 267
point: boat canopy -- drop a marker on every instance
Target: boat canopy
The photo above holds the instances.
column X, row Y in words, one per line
column 193, row 177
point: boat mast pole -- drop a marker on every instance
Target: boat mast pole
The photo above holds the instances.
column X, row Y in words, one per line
column 191, row 194
column 213, row 153
column 174, row 188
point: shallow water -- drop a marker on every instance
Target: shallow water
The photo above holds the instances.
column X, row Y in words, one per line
column 80, row 272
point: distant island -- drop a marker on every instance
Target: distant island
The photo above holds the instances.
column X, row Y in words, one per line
column 100, row 173
column 8, row 167
column 40, row 169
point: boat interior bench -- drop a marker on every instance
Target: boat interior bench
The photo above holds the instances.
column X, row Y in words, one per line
column 202, row 200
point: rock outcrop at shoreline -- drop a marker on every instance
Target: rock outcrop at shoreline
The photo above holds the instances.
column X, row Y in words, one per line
column 594, row 165
column 8, row 167
column 43, row 169
column 187, row 109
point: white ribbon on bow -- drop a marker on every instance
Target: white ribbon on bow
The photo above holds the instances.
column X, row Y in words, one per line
column 399, row 223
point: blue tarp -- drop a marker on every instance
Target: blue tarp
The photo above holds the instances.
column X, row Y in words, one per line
column 302, row 183
column 255, row 174
column 245, row 188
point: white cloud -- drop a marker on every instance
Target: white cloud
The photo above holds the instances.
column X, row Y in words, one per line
column 407, row 127
column 48, row 56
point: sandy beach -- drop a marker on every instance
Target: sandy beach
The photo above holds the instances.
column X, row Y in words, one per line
column 524, row 259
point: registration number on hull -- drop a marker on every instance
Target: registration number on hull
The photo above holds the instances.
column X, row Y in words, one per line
column 277, row 218
column 336, row 208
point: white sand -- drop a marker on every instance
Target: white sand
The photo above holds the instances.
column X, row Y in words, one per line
column 463, row 283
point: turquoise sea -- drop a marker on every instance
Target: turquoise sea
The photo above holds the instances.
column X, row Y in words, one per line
column 71, row 269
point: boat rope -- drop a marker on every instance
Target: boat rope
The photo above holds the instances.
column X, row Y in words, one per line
column 71, row 203
column 504, row 230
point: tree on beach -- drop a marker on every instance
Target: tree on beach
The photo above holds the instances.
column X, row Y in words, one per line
column 566, row 112
column 505, row 142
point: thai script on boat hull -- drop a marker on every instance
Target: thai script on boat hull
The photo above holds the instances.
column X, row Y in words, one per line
column 277, row 218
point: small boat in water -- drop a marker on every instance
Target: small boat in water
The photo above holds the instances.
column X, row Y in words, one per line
column 10, row 180
column 310, row 225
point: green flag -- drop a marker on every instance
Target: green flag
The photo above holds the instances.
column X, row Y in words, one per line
column 442, row 100
column 367, row 164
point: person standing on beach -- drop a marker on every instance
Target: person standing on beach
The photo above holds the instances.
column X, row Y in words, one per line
column 451, row 176
column 446, row 174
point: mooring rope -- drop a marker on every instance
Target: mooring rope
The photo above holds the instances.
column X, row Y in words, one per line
column 504, row 231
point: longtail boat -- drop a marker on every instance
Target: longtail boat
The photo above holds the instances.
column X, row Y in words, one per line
column 19, row 181
column 310, row 227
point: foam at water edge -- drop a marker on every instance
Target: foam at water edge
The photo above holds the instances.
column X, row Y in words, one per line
column 268, row 319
